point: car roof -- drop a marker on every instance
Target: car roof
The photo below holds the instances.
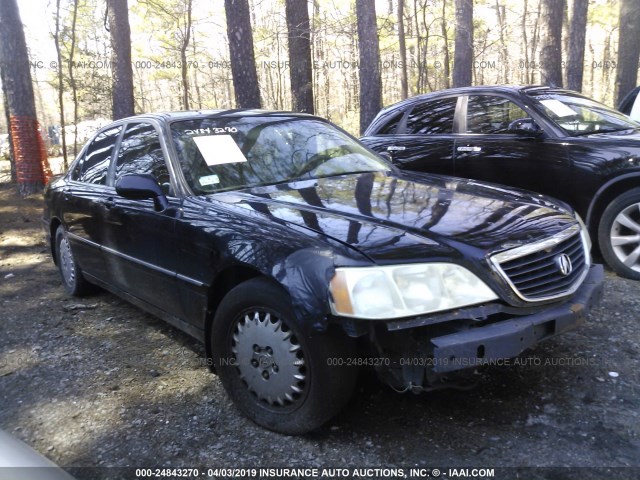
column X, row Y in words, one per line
column 512, row 89
column 192, row 114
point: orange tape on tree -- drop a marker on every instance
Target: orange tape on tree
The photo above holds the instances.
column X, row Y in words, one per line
column 30, row 154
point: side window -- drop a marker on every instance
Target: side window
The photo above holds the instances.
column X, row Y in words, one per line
column 140, row 152
column 94, row 166
column 391, row 126
column 488, row 114
column 433, row 117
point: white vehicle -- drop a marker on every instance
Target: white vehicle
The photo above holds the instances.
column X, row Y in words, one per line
column 631, row 105
column 19, row 461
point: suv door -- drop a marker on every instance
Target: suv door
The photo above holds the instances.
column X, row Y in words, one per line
column 423, row 139
column 500, row 142
column 140, row 243
column 83, row 197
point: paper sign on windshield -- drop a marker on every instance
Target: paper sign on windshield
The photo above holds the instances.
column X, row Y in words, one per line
column 559, row 108
column 219, row 149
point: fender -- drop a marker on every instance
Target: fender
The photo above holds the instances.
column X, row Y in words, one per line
column 605, row 187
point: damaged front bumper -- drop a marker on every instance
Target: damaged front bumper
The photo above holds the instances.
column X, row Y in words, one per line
column 509, row 338
column 428, row 356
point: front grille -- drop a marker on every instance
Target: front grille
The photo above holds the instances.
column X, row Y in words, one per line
column 534, row 271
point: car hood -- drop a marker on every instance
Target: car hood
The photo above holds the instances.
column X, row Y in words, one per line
column 389, row 217
column 630, row 135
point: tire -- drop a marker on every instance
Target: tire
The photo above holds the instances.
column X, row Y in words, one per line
column 619, row 234
column 72, row 278
column 278, row 377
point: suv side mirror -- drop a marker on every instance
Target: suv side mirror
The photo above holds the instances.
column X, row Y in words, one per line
column 525, row 126
column 142, row 187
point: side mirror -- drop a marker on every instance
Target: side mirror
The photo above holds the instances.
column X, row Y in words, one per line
column 142, row 187
column 525, row 126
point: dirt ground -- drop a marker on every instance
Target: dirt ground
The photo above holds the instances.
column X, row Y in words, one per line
column 98, row 383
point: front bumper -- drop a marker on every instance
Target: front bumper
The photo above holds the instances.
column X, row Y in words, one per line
column 507, row 339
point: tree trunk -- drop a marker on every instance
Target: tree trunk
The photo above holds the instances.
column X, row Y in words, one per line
column 445, row 38
column 56, row 41
column 72, row 79
column 577, row 36
column 369, row 54
column 5, row 104
column 243, row 63
column 300, row 66
column 404, row 84
column 628, row 48
column 118, row 16
column 551, row 48
column 30, row 155
column 463, row 54
column 186, row 37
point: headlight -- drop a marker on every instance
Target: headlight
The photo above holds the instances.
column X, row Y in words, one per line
column 406, row 290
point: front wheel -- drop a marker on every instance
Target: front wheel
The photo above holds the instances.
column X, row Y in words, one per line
column 279, row 377
column 619, row 234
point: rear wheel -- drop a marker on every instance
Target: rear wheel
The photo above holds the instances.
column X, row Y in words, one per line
column 276, row 375
column 619, row 234
column 71, row 273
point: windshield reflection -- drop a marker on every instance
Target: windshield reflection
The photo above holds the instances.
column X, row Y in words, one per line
column 578, row 115
column 227, row 153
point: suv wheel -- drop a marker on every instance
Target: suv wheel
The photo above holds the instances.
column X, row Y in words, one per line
column 277, row 376
column 619, row 234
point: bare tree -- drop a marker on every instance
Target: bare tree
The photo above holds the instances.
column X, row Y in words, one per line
column 118, row 26
column 186, row 37
column 577, row 37
column 370, row 83
column 30, row 156
column 445, row 39
column 297, row 12
column 72, row 79
column 404, row 84
column 628, row 48
column 243, row 62
column 56, row 41
column 5, row 105
column 551, row 49
column 463, row 54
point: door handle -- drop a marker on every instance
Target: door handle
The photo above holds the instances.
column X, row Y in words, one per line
column 396, row 148
column 469, row 149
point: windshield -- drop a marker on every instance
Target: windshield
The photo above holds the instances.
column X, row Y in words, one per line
column 581, row 116
column 225, row 153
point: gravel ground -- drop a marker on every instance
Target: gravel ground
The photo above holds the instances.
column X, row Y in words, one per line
column 98, row 383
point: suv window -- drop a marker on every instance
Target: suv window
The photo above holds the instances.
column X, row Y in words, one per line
column 390, row 127
column 94, row 166
column 140, row 152
column 433, row 117
column 491, row 114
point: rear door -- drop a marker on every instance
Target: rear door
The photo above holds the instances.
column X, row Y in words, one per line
column 491, row 146
column 423, row 139
column 140, row 244
column 83, row 198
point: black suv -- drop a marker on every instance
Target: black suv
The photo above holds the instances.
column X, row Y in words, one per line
column 547, row 140
column 297, row 256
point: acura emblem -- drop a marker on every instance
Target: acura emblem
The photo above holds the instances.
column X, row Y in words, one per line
column 564, row 264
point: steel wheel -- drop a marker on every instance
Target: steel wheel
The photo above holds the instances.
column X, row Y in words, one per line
column 67, row 265
column 269, row 359
column 278, row 373
column 71, row 273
